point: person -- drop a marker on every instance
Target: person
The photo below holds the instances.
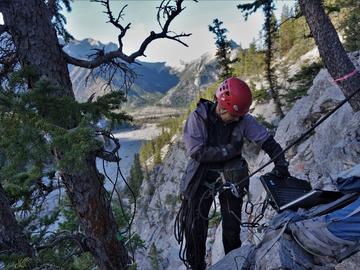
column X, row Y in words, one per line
column 214, row 134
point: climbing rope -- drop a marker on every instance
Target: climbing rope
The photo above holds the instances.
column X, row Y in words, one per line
column 301, row 138
column 185, row 216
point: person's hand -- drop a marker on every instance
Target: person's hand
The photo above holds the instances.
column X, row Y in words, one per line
column 281, row 170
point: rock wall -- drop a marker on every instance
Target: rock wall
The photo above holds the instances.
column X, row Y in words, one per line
column 157, row 207
column 333, row 147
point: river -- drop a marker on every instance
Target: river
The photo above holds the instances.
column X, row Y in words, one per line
column 130, row 141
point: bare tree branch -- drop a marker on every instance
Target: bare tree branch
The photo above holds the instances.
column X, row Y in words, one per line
column 166, row 11
column 90, row 64
column 108, row 70
column 115, row 22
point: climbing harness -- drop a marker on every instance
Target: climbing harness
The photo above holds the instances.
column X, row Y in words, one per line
column 185, row 216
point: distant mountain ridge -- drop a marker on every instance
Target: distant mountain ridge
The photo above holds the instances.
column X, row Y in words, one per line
column 195, row 76
column 156, row 83
column 153, row 79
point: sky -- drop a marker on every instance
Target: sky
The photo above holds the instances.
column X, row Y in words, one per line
column 87, row 20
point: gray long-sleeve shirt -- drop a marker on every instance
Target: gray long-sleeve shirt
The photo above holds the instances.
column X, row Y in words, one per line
column 196, row 137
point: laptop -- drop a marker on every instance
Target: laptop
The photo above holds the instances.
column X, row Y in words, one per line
column 293, row 193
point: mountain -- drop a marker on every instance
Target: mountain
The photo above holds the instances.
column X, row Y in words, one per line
column 152, row 81
column 194, row 77
column 155, row 84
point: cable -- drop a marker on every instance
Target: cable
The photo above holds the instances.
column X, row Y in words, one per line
column 213, row 194
column 133, row 195
column 115, row 190
column 303, row 137
column 184, row 217
column 306, row 135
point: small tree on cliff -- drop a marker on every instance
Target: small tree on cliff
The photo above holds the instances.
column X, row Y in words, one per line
column 223, row 50
column 330, row 48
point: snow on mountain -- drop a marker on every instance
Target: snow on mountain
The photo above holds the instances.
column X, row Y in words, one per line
column 196, row 76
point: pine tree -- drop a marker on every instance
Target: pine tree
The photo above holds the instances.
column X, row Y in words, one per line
column 136, row 177
column 352, row 30
column 287, row 34
column 223, row 50
column 43, row 104
column 270, row 32
column 157, row 154
column 331, row 50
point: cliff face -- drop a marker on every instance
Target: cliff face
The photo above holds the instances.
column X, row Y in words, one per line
column 157, row 209
column 334, row 147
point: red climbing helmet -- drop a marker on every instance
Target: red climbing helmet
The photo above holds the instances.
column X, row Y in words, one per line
column 234, row 95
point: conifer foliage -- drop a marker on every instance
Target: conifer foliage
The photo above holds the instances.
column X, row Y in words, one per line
column 51, row 142
column 322, row 30
column 136, row 176
column 270, row 29
column 351, row 26
column 223, row 50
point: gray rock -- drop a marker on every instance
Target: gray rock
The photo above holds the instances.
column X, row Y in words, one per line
column 333, row 148
column 240, row 258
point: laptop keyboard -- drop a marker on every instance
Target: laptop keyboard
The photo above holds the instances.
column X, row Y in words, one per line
column 284, row 191
column 287, row 195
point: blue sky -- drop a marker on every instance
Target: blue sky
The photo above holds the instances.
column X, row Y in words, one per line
column 87, row 20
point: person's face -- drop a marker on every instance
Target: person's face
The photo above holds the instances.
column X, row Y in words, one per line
column 225, row 116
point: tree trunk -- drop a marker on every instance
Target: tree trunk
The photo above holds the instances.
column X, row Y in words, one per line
column 88, row 196
column 36, row 41
column 331, row 50
column 12, row 239
column 29, row 23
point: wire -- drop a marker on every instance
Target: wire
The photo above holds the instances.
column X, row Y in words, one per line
column 183, row 225
column 213, row 195
column 133, row 195
column 127, row 230
column 303, row 137
column 185, row 216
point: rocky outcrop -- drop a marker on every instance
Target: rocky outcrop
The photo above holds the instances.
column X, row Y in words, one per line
column 334, row 147
column 154, row 220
